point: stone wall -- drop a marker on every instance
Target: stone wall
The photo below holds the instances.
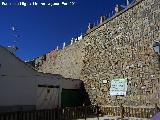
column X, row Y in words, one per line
column 66, row 62
column 122, row 48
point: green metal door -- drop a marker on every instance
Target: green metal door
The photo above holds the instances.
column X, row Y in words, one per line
column 71, row 98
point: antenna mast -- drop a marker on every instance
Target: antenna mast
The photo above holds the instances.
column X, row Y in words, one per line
column 14, row 34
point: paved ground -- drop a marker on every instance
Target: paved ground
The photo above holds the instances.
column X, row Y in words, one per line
column 113, row 118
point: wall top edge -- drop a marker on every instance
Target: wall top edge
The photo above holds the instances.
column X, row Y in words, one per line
column 113, row 17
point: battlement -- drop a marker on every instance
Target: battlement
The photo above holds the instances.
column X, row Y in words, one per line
column 102, row 21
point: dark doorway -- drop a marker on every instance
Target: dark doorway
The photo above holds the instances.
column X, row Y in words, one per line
column 74, row 97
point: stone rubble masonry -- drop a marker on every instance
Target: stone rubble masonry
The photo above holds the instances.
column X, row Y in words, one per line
column 67, row 62
column 118, row 48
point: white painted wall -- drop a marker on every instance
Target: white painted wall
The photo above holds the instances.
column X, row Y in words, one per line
column 17, row 81
column 47, row 100
column 48, row 79
column 10, row 65
column 17, row 91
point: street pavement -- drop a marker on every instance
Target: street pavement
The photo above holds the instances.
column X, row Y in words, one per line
column 113, row 118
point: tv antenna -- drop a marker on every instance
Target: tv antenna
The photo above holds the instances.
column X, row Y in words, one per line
column 15, row 36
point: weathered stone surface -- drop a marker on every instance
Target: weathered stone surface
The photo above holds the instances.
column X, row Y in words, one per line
column 66, row 62
column 124, row 49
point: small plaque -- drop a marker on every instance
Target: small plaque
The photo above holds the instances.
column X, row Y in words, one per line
column 104, row 81
column 118, row 87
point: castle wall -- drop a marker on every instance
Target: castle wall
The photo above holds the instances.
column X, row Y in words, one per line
column 118, row 48
column 66, row 62
column 122, row 48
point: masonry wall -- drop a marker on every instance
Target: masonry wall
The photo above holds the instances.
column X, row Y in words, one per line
column 122, row 48
column 66, row 62
column 118, row 48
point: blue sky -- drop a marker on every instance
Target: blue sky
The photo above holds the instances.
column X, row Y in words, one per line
column 42, row 28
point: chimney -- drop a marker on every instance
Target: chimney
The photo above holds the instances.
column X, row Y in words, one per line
column 90, row 26
column 102, row 19
column 117, row 9
column 12, row 49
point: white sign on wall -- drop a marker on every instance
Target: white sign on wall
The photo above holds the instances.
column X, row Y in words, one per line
column 118, row 87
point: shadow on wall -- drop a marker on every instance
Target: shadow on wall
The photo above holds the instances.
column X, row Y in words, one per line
column 85, row 95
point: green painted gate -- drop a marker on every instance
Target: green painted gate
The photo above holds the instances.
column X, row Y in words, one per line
column 71, row 97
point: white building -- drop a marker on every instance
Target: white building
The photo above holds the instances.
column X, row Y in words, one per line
column 23, row 88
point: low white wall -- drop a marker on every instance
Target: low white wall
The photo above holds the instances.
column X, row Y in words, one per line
column 45, row 99
column 47, row 79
